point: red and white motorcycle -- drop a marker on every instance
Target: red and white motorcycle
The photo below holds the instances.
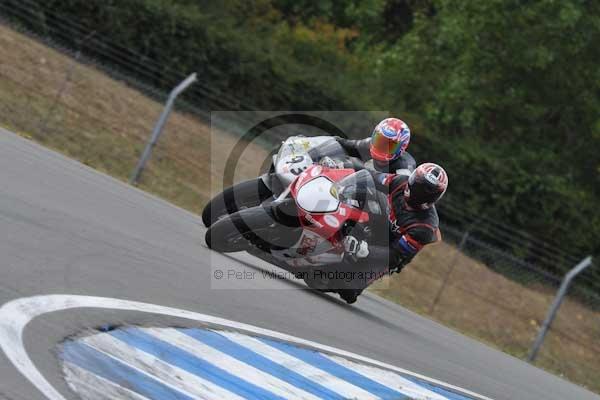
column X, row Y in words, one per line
column 305, row 226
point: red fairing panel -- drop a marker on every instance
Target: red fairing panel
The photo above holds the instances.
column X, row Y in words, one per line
column 327, row 224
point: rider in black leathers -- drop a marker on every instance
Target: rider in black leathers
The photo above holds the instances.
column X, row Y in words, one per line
column 412, row 223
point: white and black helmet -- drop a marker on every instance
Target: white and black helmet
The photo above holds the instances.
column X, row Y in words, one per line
column 426, row 185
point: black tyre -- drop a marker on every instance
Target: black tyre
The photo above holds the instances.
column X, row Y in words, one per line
column 246, row 194
column 250, row 228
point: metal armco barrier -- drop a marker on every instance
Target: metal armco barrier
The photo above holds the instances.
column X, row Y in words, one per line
column 135, row 176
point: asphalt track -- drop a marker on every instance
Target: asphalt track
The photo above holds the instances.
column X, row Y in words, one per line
column 67, row 229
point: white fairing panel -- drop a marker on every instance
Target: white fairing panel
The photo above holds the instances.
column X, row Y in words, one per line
column 293, row 158
column 315, row 196
column 311, row 250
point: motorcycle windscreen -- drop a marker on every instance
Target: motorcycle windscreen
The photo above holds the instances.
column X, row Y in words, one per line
column 358, row 190
column 317, row 196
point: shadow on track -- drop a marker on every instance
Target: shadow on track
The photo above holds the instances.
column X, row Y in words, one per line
column 329, row 297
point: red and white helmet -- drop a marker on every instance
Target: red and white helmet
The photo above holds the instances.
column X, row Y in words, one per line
column 389, row 140
column 426, row 185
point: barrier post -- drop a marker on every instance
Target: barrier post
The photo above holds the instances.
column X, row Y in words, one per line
column 158, row 128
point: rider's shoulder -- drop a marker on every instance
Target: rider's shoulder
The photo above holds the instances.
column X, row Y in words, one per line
column 408, row 158
column 404, row 164
column 426, row 218
column 397, row 180
column 430, row 215
column 426, row 228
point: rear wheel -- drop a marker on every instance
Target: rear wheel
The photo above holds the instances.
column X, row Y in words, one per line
column 249, row 228
column 244, row 195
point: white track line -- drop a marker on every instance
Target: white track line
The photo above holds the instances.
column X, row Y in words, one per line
column 345, row 389
column 387, row 378
column 92, row 386
column 16, row 314
column 235, row 367
column 167, row 374
column 149, row 375
column 390, row 380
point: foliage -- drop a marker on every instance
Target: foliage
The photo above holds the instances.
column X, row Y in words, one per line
column 513, row 85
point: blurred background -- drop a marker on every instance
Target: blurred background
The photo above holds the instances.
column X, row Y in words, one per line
column 505, row 94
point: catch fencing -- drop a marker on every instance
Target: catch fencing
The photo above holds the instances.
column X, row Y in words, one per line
column 102, row 114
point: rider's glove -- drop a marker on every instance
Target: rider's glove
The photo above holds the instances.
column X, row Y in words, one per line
column 396, row 269
column 329, row 163
column 355, row 247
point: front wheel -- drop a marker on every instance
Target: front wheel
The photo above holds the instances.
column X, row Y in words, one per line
column 249, row 228
column 243, row 195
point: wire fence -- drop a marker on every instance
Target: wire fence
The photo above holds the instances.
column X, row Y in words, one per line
column 101, row 112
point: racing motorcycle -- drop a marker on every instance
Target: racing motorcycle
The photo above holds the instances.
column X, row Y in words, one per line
column 295, row 155
column 304, row 227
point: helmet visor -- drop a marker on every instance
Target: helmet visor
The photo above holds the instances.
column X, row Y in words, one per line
column 385, row 148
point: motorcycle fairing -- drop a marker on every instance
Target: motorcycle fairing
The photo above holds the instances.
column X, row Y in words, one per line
column 317, row 196
column 322, row 215
column 326, row 220
column 293, row 157
column 310, row 250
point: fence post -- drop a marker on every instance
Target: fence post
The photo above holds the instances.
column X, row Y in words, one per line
column 158, row 128
column 555, row 305
column 65, row 84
